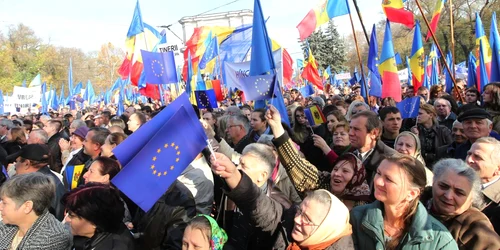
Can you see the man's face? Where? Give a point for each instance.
(98, 121)
(49, 128)
(233, 130)
(358, 135)
(88, 144)
(357, 92)
(410, 92)
(208, 117)
(442, 108)
(392, 123)
(252, 167)
(3, 130)
(133, 123)
(458, 133)
(476, 128)
(424, 93)
(293, 95)
(479, 157)
(471, 97)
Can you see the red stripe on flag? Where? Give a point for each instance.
(124, 69)
(135, 73)
(217, 90)
(307, 26)
(311, 74)
(434, 24)
(287, 67)
(401, 16)
(391, 86)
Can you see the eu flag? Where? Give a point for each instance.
(210, 53)
(125, 151)
(159, 68)
(409, 107)
(164, 157)
(259, 87)
(307, 90)
(206, 99)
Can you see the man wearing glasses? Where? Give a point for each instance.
(5, 126)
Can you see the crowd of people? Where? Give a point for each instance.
(364, 179)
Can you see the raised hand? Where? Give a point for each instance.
(273, 118)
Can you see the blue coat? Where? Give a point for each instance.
(425, 232)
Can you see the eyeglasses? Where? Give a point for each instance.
(304, 220)
(300, 116)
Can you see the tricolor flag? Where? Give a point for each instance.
(482, 43)
(321, 15)
(310, 72)
(417, 59)
(373, 63)
(396, 13)
(387, 68)
(435, 17)
(72, 175)
(495, 47)
(314, 115)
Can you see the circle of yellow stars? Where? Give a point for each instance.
(154, 168)
(203, 99)
(408, 107)
(257, 84)
(153, 68)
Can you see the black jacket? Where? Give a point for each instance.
(443, 137)
(162, 227)
(56, 208)
(122, 240)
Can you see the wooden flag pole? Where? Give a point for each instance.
(361, 20)
(359, 59)
(452, 34)
(443, 59)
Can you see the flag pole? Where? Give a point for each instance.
(443, 59)
(359, 59)
(452, 34)
(361, 20)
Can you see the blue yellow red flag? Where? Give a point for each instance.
(417, 59)
(373, 63)
(72, 174)
(482, 43)
(314, 115)
(388, 69)
(495, 50)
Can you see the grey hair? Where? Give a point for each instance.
(240, 120)
(233, 110)
(45, 117)
(35, 187)
(77, 123)
(41, 135)
(495, 157)
(321, 196)
(7, 122)
(460, 168)
(353, 105)
(456, 122)
(264, 154)
(447, 102)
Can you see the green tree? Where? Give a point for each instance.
(328, 48)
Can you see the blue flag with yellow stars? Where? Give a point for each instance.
(206, 99)
(259, 87)
(159, 68)
(158, 164)
(409, 107)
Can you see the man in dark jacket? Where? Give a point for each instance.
(459, 137)
(53, 130)
(443, 110)
(477, 123)
(364, 134)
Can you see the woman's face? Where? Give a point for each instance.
(300, 117)
(341, 137)
(331, 119)
(342, 109)
(406, 145)
(423, 116)
(392, 184)
(451, 194)
(79, 226)
(94, 174)
(307, 219)
(256, 123)
(107, 147)
(194, 239)
(75, 142)
(487, 95)
(341, 175)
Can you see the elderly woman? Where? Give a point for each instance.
(95, 213)
(355, 107)
(397, 220)
(203, 233)
(346, 180)
(27, 223)
(408, 143)
(431, 134)
(456, 192)
(320, 222)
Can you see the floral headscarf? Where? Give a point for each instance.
(219, 236)
(357, 189)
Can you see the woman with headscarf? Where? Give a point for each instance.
(408, 143)
(320, 222)
(346, 180)
(203, 233)
(454, 199)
